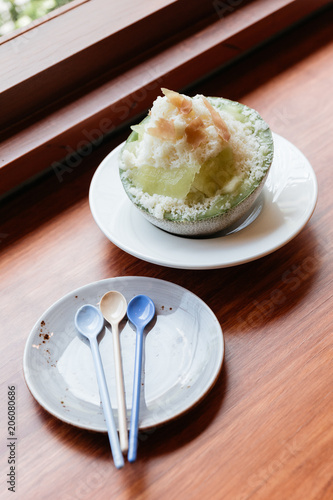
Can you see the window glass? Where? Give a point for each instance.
(16, 14)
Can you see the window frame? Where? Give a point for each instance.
(89, 84)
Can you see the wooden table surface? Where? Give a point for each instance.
(265, 429)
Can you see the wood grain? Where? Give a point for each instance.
(265, 430)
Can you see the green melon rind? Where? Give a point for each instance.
(214, 215)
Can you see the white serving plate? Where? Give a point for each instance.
(288, 201)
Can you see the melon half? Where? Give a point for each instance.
(194, 166)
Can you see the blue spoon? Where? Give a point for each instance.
(140, 312)
(89, 322)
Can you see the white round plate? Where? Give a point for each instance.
(183, 355)
(289, 198)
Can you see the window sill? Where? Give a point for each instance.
(110, 100)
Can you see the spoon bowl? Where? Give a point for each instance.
(140, 312)
(89, 322)
(113, 306)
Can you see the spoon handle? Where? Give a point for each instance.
(111, 426)
(133, 437)
(123, 434)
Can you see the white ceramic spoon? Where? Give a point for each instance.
(114, 306)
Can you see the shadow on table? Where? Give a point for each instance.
(248, 296)
(153, 442)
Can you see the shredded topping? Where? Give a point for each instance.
(195, 131)
(181, 102)
(219, 123)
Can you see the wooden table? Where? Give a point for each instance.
(265, 429)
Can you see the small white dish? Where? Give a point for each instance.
(288, 200)
(183, 355)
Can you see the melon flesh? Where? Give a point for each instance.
(174, 182)
(215, 173)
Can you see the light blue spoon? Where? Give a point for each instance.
(89, 322)
(140, 312)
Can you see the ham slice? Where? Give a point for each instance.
(219, 123)
(182, 103)
(164, 129)
(195, 132)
